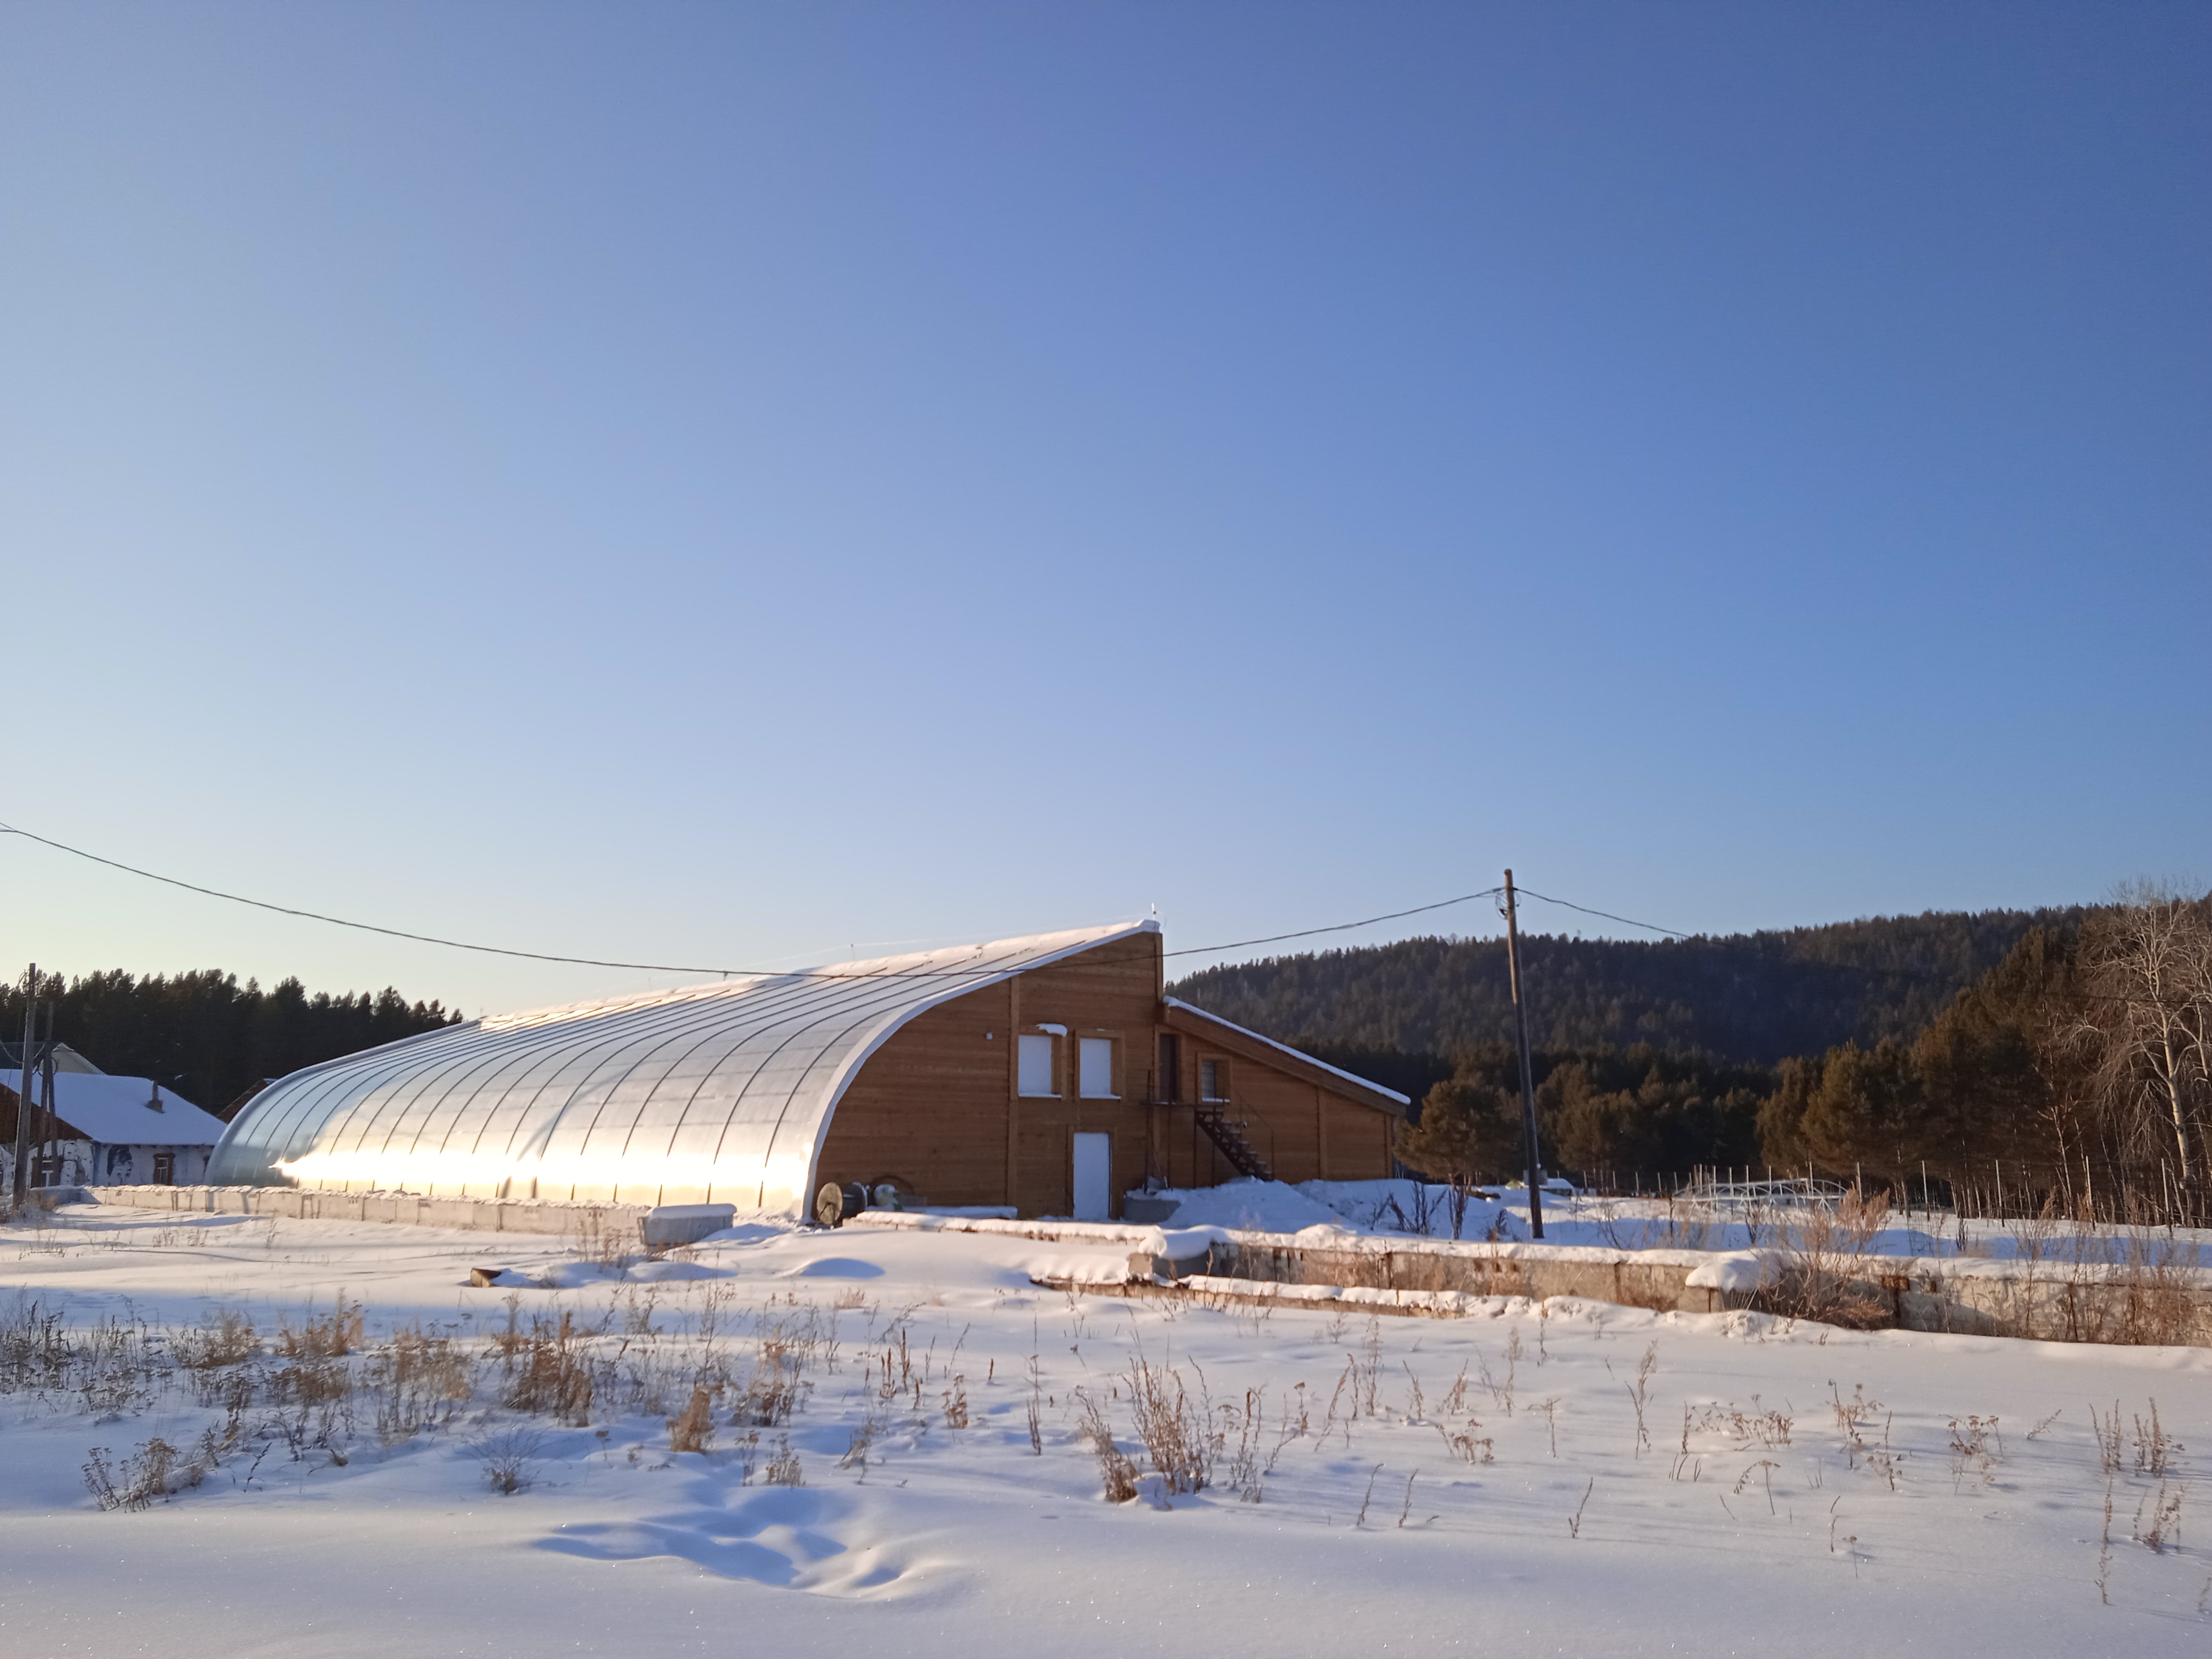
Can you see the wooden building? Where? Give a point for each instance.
(1068, 1084)
(1051, 1074)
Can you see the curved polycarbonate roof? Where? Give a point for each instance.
(718, 1093)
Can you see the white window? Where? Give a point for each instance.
(1095, 1068)
(1212, 1079)
(1034, 1076)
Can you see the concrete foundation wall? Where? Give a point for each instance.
(2046, 1301)
(1602, 1276)
(2050, 1302)
(406, 1209)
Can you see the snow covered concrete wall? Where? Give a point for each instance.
(1697, 1281)
(407, 1209)
(2056, 1301)
(1662, 1280)
(2141, 1303)
(2052, 1302)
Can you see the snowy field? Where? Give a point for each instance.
(1568, 1478)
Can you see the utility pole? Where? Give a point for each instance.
(20, 1189)
(49, 1122)
(1528, 1080)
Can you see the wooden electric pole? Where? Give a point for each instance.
(1527, 1078)
(20, 1188)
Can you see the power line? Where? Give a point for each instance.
(673, 968)
(1339, 927)
(1530, 892)
(941, 972)
(364, 927)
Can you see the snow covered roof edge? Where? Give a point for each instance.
(943, 963)
(1285, 1048)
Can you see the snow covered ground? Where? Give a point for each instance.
(1404, 1484)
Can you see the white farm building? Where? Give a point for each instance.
(106, 1131)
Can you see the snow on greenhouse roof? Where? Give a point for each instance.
(719, 1093)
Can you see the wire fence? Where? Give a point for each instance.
(2004, 1189)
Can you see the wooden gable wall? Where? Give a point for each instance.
(937, 1110)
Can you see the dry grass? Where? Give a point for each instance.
(2154, 1447)
(315, 1377)
(1115, 1472)
(1771, 1428)
(2158, 1307)
(1977, 1448)
(1816, 1253)
(1852, 1417)
(636, 1310)
(312, 1381)
(856, 1452)
(692, 1429)
(783, 1469)
(603, 1242)
(2163, 1524)
(1575, 1524)
(338, 1333)
(1246, 1477)
(771, 1392)
(2107, 1431)
(509, 1459)
(156, 1470)
(550, 1374)
(2104, 1549)
(1177, 1435)
(1639, 1392)
(36, 1347)
(418, 1382)
(1456, 1401)
(227, 1338)
(1467, 1445)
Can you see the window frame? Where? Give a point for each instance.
(1052, 1091)
(1222, 1080)
(1113, 1041)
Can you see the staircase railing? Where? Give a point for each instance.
(1227, 1133)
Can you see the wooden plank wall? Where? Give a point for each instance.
(935, 1110)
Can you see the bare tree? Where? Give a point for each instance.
(2145, 1025)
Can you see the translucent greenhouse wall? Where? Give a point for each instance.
(718, 1093)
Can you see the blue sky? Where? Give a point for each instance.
(721, 484)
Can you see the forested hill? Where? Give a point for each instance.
(1742, 998)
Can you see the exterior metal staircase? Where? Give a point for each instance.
(1228, 1135)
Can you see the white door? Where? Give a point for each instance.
(1094, 1177)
